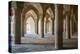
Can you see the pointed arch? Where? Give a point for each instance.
(33, 18)
(30, 26)
(48, 21)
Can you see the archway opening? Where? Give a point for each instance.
(30, 23)
(47, 26)
(30, 26)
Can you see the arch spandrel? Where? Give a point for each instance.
(37, 6)
(32, 14)
(28, 8)
(50, 12)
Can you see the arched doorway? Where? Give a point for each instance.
(48, 22)
(30, 26)
(30, 22)
(49, 26)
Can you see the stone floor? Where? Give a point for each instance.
(33, 42)
(31, 48)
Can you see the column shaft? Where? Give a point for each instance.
(67, 27)
(45, 27)
(25, 28)
(17, 26)
(22, 29)
(53, 26)
(42, 28)
(36, 27)
(68, 23)
(71, 26)
(58, 26)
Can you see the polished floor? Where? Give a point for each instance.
(33, 42)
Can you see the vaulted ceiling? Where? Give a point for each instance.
(40, 10)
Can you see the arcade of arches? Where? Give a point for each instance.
(45, 23)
